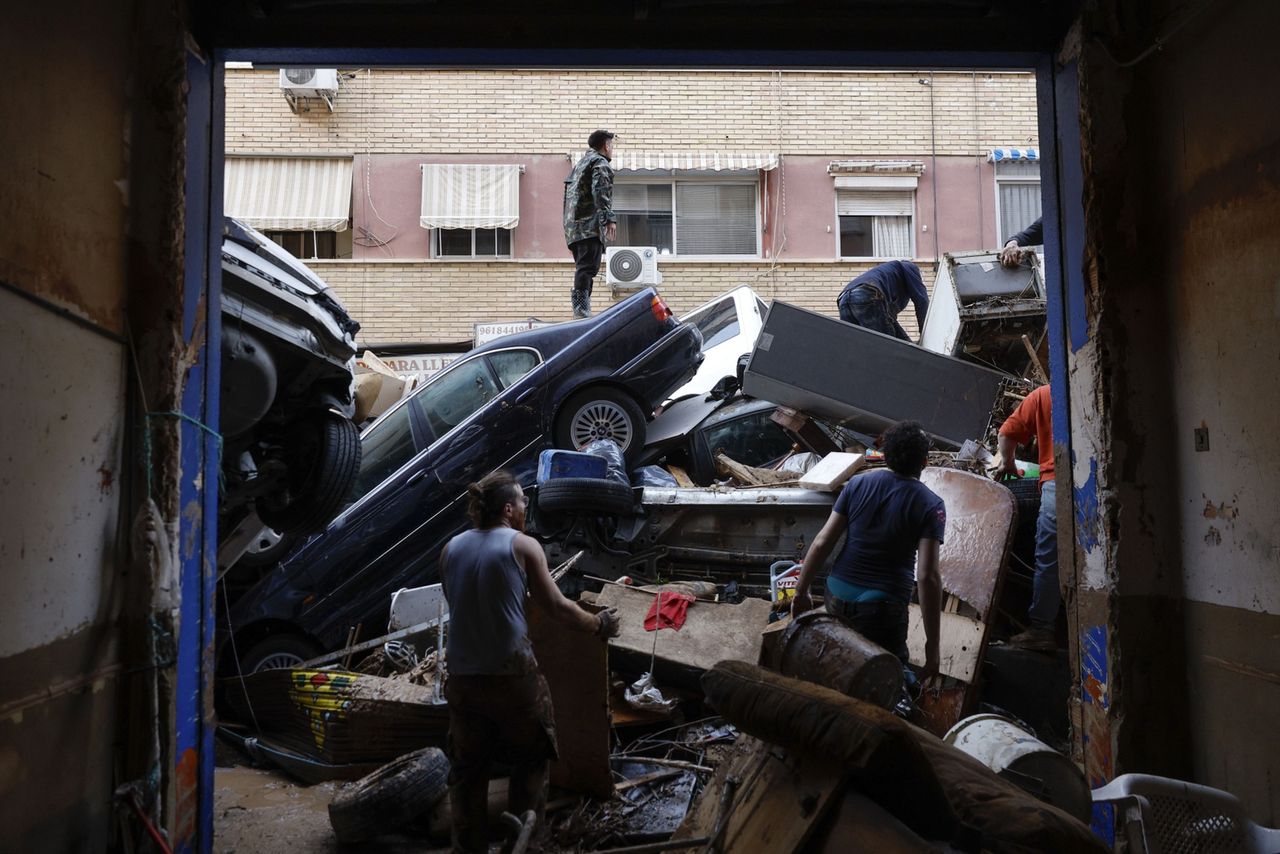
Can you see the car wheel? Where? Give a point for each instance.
(390, 797)
(267, 548)
(322, 459)
(278, 651)
(596, 496)
(601, 413)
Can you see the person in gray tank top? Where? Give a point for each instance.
(499, 705)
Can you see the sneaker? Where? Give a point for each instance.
(1035, 640)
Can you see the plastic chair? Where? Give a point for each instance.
(1157, 815)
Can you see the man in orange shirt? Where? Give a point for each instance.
(1034, 417)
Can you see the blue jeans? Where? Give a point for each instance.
(1045, 594)
(865, 306)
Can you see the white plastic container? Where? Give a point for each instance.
(1025, 761)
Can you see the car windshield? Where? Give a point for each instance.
(456, 394)
(384, 447)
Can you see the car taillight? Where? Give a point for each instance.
(660, 310)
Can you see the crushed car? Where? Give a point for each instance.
(290, 449)
(497, 407)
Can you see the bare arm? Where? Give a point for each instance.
(929, 584)
(815, 559)
(1008, 448)
(544, 591)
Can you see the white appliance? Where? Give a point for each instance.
(631, 266)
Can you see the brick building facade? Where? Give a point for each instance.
(850, 168)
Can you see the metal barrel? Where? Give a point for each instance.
(819, 648)
(1023, 760)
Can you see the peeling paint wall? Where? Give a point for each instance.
(1177, 546)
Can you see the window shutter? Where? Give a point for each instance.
(1019, 207)
(642, 198)
(874, 203)
(715, 219)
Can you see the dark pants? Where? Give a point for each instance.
(586, 264)
(865, 306)
(882, 623)
(506, 719)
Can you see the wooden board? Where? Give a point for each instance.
(959, 648)
(779, 801)
(576, 667)
(712, 632)
(832, 472)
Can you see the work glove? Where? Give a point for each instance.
(609, 624)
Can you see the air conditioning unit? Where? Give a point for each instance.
(298, 83)
(631, 266)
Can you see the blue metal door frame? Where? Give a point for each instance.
(1061, 182)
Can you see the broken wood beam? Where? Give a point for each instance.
(1035, 359)
(750, 475)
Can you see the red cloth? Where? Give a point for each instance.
(668, 611)
(1034, 417)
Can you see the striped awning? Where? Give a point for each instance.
(470, 195)
(289, 193)
(690, 161)
(998, 154)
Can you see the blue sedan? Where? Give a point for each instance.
(497, 407)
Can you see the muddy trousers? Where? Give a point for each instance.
(586, 264)
(505, 719)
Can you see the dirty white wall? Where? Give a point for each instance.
(62, 303)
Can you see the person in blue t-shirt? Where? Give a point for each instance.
(893, 525)
(876, 298)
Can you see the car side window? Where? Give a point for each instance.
(511, 365)
(384, 447)
(457, 394)
(752, 440)
(717, 323)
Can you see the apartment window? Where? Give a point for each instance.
(1017, 196)
(310, 244)
(689, 217)
(472, 243)
(876, 223)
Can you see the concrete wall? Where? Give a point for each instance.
(1177, 549)
(62, 260)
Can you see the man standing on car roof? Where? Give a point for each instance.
(1034, 417)
(589, 220)
(893, 526)
(876, 298)
(499, 705)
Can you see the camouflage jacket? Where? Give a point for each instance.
(588, 198)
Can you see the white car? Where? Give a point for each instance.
(729, 324)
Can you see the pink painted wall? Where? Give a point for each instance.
(395, 188)
(965, 189)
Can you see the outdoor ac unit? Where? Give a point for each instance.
(631, 266)
(309, 83)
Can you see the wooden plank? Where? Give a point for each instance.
(750, 475)
(712, 632)
(682, 477)
(576, 667)
(959, 648)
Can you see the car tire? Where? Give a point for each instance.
(278, 651)
(390, 797)
(601, 412)
(323, 461)
(593, 495)
(267, 548)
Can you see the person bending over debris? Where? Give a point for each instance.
(889, 517)
(589, 220)
(1034, 417)
(499, 705)
(876, 298)
(1032, 235)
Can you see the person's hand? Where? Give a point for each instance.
(1006, 469)
(609, 624)
(1011, 255)
(930, 678)
(801, 603)
(611, 231)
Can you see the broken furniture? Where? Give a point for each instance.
(814, 743)
(818, 647)
(868, 380)
(1157, 815)
(980, 310)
